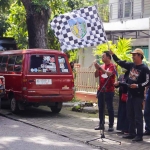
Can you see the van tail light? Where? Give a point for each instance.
(72, 83)
(24, 80)
(24, 84)
(73, 87)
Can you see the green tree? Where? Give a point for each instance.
(4, 6)
(3, 24)
(37, 17)
(17, 25)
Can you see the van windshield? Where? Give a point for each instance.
(42, 63)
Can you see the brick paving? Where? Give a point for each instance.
(77, 126)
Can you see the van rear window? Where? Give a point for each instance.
(63, 64)
(42, 63)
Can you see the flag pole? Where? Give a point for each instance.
(106, 40)
(104, 33)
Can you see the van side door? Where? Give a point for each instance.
(14, 73)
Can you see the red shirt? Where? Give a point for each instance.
(103, 78)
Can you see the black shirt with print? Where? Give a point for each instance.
(138, 74)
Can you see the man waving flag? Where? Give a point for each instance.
(79, 28)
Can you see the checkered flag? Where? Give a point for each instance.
(79, 28)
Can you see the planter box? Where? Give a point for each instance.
(86, 96)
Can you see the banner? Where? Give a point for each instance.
(79, 28)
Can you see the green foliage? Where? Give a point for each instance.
(103, 10)
(3, 24)
(73, 55)
(75, 99)
(53, 42)
(57, 7)
(17, 25)
(44, 4)
(74, 4)
(4, 5)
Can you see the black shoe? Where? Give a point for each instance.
(146, 133)
(137, 139)
(100, 127)
(120, 132)
(110, 129)
(128, 136)
(97, 128)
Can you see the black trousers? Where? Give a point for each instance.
(108, 98)
(135, 115)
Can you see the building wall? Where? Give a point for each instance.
(86, 57)
(113, 10)
(140, 42)
(137, 9)
(141, 8)
(146, 8)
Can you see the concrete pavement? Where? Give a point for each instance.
(78, 126)
(15, 135)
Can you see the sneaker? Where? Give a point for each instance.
(120, 132)
(125, 132)
(146, 133)
(129, 136)
(110, 129)
(137, 139)
(99, 127)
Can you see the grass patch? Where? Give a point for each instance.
(75, 99)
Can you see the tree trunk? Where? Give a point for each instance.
(37, 23)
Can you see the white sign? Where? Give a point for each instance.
(43, 81)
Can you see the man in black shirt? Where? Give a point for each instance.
(138, 78)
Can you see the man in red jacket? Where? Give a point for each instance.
(106, 74)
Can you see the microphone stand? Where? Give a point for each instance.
(102, 128)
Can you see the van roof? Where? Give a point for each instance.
(38, 51)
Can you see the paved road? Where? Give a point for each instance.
(16, 135)
(76, 126)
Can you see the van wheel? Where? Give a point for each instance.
(14, 105)
(56, 108)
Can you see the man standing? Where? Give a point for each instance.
(138, 78)
(106, 76)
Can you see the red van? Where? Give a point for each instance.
(36, 77)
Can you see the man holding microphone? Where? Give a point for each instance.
(106, 74)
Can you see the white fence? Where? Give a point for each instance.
(85, 80)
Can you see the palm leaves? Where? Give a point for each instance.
(122, 48)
